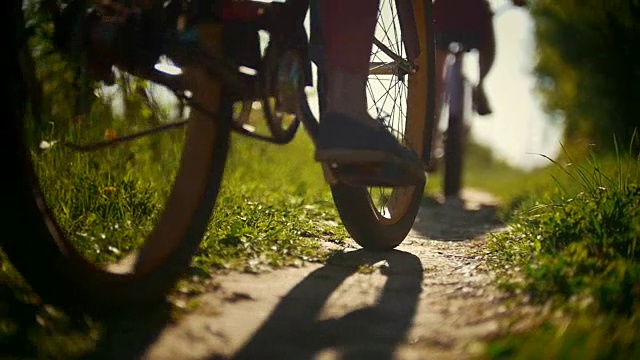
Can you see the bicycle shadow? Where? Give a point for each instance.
(41, 333)
(293, 329)
(457, 220)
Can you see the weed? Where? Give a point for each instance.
(578, 247)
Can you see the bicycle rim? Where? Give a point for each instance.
(118, 226)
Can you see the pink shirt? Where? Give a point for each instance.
(461, 16)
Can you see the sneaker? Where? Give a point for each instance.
(431, 164)
(480, 102)
(364, 153)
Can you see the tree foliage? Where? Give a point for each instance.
(588, 66)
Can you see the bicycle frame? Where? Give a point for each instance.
(287, 30)
(292, 11)
(457, 95)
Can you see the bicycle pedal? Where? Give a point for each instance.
(335, 174)
(373, 174)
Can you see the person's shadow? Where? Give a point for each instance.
(293, 331)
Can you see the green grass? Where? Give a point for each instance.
(273, 206)
(270, 204)
(576, 248)
(580, 337)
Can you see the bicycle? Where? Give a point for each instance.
(457, 99)
(48, 256)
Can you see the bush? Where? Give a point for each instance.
(586, 69)
(577, 249)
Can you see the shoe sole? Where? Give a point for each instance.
(348, 156)
(371, 168)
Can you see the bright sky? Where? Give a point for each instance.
(518, 127)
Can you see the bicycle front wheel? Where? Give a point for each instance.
(400, 90)
(115, 227)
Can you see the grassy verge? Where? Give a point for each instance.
(576, 249)
(483, 171)
(272, 209)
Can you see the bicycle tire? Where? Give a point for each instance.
(454, 142)
(453, 154)
(58, 272)
(381, 229)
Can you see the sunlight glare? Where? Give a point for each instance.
(168, 69)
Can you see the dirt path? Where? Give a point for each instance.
(431, 298)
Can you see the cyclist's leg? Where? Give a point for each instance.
(440, 59)
(471, 22)
(347, 34)
(486, 57)
(347, 134)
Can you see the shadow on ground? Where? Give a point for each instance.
(456, 220)
(32, 331)
(294, 331)
(128, 335)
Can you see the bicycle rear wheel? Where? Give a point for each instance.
(380, 218)
(89, 231)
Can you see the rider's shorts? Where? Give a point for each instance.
(468, 22)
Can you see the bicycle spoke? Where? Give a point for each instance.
(382, 22)
(392, 25)
(393, 40)
(398, 46)
(387, 91)
(385, 95)
(393, 110)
